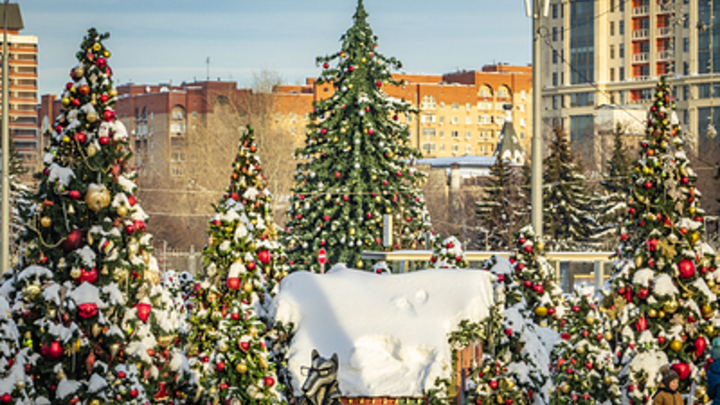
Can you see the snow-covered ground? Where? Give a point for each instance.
(390, 331)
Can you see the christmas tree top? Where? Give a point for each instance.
(449, 254)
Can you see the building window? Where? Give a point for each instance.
(555, 103)
(612, 74)
(686, 68)
(582, 51)
(622, 5)
(586, 99)
(485, 91)
(468, 134)
(428, 132)
(468, 120)
(152, 115)
(612, 51)
(612, 5)
(686, 21)
(500, 120)
(503, 92)
(194, 114)
(554, 11)
(555, 79)
(686, 117)
(428, 103)
(468, 106)
(612, 28)
(455, 148)
(428, 118)
(686, 44)
(581, 127)
(455, 134)
(708, 36)
(708, 90)
(484, 119)
(468, 149)
(442, 148)
(621, 50)
(555, 33)
(686, 93)
(442, 134)
(522, 135)
(442, 105)
(429, 147)
(621, 74)
(454, 120)
(522, 122)
(554, 57)
(455, 106)
(621, 27)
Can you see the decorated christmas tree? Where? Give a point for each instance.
(16, 386)
(449, 254)
(87, 264)
(18, 202)
(662, 297)
(583, 362)
(242, 262)
(534, 282)
(357, 163)
(568, 215)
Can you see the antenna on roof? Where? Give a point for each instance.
(208, 68)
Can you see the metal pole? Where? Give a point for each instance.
(5, 248)
(536, 191)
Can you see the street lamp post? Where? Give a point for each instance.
(5, 233)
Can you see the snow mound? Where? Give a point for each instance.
(390, 333)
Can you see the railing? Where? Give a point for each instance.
(663, 55)
(663, 32)
(640, 57)
(641, 10)
(640, 34)
(404, 261)
(642, 78)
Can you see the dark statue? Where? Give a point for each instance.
(321, 386)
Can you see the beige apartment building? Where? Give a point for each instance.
(611, 54)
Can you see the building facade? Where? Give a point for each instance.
(23, 65)
(613, 52)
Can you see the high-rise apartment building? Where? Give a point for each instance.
(612, 52)
(23, 78)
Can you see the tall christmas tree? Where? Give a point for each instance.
(242, 262)
(357, 163)
(449, 254)
(87, 265)
(566, 200)
(612, 205)
(583, 362)
(662, 298)
(502, 211)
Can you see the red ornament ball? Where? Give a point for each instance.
(104, 140)
(269, 381)
(686, 268)
(233, 283)
(337, 175)
(325, 66)
(528, 248)
(264, 256)
(648, 184)
(74, 194)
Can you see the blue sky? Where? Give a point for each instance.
(157, 41)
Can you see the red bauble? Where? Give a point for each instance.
(501, 278)
(520, 266)
(264, 256)
(325, 66)
(74, 194)
(648, 184)
(269, 381)
(682, 369)
(104, 140)
(685, 181)
(527, 284)
(641, 324)
(139, 225)
(90, 276)
(539, 289)
(235, 316)
(508, 332)
(644, 292)
(109, 115)
(54, 351)
(565, 336)
(129, 229)
(251, 266)
(134, 393)
(493, 384)
(528, 248)
(652, 244)
(73, 240)
(245, 346)
(121, 375)
(84, 89)
(131, 200)
(80, 137)
(326, 218)
(522, 240)
(351, 68)
(337, 175)
(385, 183)
(6, 398)
(589, 365)
(143, 310)
(585, 333)
(220, 366)
(686, 268)
(370, 131)
(233, 283)
(87, 310)
(700, 346)
(104, 98)
(379, 84)
(399, 174)
(551, 311)
(661, 340)
(576, 309)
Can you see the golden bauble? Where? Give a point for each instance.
(565, 388)
(540, 246)
(694, 237)
(706, 310)
(91, 117)
(212, 391)
(241, 368)
(66, 139)
(670, 306)
(373, 177)
(351, 231)
(65, 101)
(79, 72)
(676, 345)
(248, 287)
(91, 150)
(541, 311)
(661, 314)
(263, 362)
(113, 91)
(607, 380)
(95, 402)
(96, 329)
(360, 264)
(499, 399)
(580, 349)
(31, 292)
(132, 248)
(60, 375)
(45, 222)
(97, 198)
(253, 221)
(652, 313)
(20, 385)
(711, 283)
(692, 210)
(509, 384)
(710, 330)
(120, 275)
(700, 391)
(590, 319)
(638, 261)
(388, 210)
(378, 199)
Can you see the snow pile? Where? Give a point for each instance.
(390, 333)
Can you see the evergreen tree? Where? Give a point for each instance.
(583, 362)
(662, 297)
(449, 254)
(612, 206)
(502, 210)
(16, 386)
(358, 162)
(568, 222)
(87, 266)
(242, 264)
(18, 201)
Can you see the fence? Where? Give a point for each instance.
(179, 260)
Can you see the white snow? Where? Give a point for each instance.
(664, 285)
(66, 388)
(127, 184)
(61, 174)
(390, 333)
(87, 293)
(87, 255)
(96, 383)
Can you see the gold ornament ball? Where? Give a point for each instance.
(360, 264)
(96, 47)
(661, 314)
(91, 117)
(94, 402)
(122, 211)
(670, 306)
(20, 385)
(607, 380)
(45, 222)
(66, 139)
(112, 92)
(706, 310)
(388, 210)
(91, 150)
(106, 54)
(540, 246)
(65, 101)
(75, 272)
(499, 399)
(694, 237)
(373, 177)
(241, 368)
(710, 330)
(60, 375)
(580, 349)
(652, 313)
(692, 210)
(710, 283)
(212, 391)
(590, 319)
(248, 287)
(378, 199)
(509, 384)
(676, 345)
(565, 388)
(638, 261)
(541, 311)
(79, 72)
(700, 391)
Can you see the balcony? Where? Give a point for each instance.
(640, 57)
(640, 34)
(663, 32)
(640, 11)
(642, 78)
(663, 56)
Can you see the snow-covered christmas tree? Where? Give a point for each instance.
(534, 281)
(87, 258)
(449, 254)
(18, 203)
(583, 362)
(568, 214)
(357, 162)
(662, 297)
(229, 342)
(16, 386)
